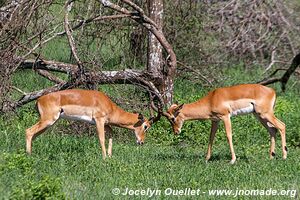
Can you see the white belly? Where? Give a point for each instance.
(243, 111)
(83, 118)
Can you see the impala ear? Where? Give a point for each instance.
(177, 109)
(151, 120)
(141, 117)
(141, 120)
(139, 123)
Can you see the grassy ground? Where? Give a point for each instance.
(68, 166)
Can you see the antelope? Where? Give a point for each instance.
(223, 103)
(90, 106)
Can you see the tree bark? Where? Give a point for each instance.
(156, 61)
(155, 57)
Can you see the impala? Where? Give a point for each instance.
(223, 103)
(89, 106)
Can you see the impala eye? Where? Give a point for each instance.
(173, 119)
(145, 127)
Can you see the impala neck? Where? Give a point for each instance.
(196, 110)
(123, 119)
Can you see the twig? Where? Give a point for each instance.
(19, 90)
(196, 72)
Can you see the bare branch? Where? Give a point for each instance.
(19, 90)
(68, 7)
(284, 79)
(196, 72)
(50, 76)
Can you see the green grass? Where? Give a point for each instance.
(72, 167)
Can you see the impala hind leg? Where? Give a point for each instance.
(214, 128)
(273, 121)
(227, 123)
(35, 130)
(272, 131)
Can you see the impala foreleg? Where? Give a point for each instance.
(214, 128)
(228, 130)
(101, 135)
(109, 131)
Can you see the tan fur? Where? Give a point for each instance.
(222, 103)
(86, 105)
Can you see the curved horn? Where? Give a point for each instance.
(178, 107)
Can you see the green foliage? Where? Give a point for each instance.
(17, 161)
(284, 105)
(20, 166)
(46, 188)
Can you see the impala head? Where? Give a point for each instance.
(141, 127)
(175, 117)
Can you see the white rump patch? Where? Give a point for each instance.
(78, 118)
(243, 111)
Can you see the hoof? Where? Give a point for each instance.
(232, 162)
(284, 157)
(272, 155)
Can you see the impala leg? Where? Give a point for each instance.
(272, 131)
(228, 130)
(109, 151)
(35, 130)
(109, 131)
(281, 127)
(214, 128)
(101, 135)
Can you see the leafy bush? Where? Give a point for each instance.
(46, 188)
(16, 161)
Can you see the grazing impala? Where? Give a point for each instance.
(222, 103)
(89, 106)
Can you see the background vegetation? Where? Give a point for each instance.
(66, 161)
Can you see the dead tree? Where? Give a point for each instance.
(78, 73)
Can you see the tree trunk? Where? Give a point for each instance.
(156, 61)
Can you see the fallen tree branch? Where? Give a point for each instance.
(50, 76)
(127, 76)
(28, 97)
(48, 65)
